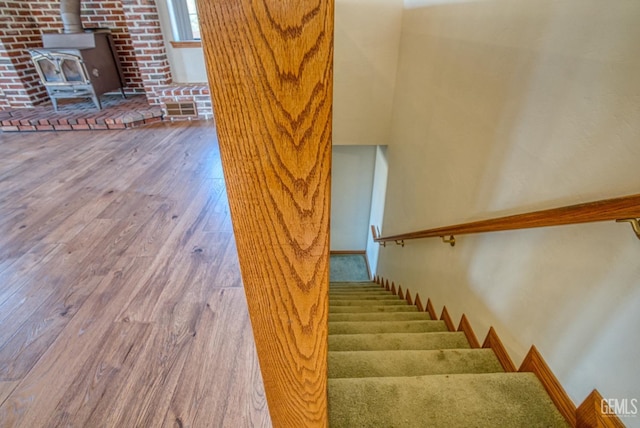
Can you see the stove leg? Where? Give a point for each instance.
(123, 94)
(95, 97)
(96, 101)
(54, 102)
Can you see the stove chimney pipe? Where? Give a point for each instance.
(70, 14)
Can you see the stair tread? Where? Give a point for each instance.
(365, 302)
(395, 341)
(379, 316)
(459, 400)
(354, 285)
(361, 296)
(356, 364)
(343, 283)
(355, 327)
(371, 308)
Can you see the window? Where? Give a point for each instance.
(184, 20)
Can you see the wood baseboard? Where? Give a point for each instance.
(407, 297)
(534, 363)
(447, 319)
(418, 304)
(493, 341)
(591, 413)
(431, 310)
(465, 327)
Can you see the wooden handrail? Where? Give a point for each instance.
(625, 208)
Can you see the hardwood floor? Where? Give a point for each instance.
(121, 303)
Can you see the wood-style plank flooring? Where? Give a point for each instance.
(121, 303)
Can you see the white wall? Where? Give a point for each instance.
(367, 34)
(351, 186)
(378, 195)
(510, 106)
(367, 39)
(187, 64)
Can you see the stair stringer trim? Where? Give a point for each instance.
(465, 327)
(587, 415)
(493, 341)
(431, 310)
(447, 319)
(534, 363)
(418, 304)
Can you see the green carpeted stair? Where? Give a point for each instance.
(392, 366)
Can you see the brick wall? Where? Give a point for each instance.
(148, 45)
(135, 27)
(18, 32)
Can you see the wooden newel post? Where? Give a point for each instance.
(270, 65)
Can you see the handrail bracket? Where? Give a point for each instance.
(635, 224)
(451, 241)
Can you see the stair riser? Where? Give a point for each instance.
(380, 316)
(375, 302)
(398, 341)
(411, 363)
(364, 297)
(369, 327)
(354, 285)
(372, 309)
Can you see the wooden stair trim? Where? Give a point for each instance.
(590, 414)
(492, 341)
(400, 293)
(432, 312)
(393, 289)
(386, 287)
(447, 319)
(407, 297)
(418, 303)
(465, 327)
(534, 363)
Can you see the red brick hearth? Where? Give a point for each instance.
(79, 115)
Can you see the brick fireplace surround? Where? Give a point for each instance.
(135, 26)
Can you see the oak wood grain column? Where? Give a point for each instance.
(270, 68)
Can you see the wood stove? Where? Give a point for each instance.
(81, 66)
(79, 63)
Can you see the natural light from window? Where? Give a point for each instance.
(193, 19)
(184, 20)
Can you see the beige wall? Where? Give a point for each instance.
(367, 36)
(352, 172)
(509, 106)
